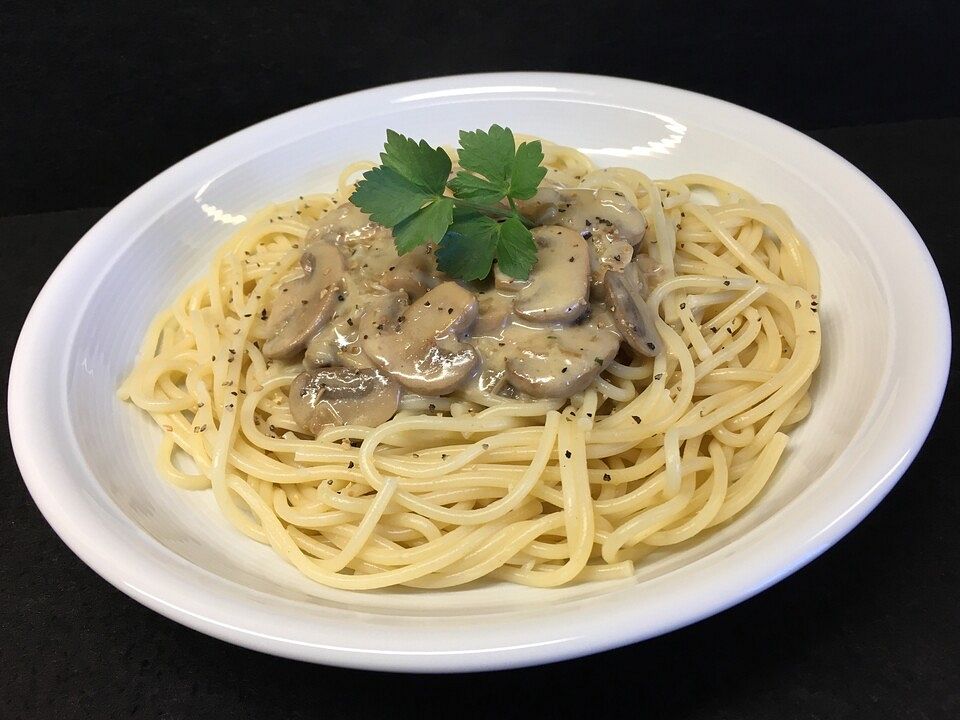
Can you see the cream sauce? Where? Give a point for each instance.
(547, 336)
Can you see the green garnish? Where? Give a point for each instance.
(474, 227)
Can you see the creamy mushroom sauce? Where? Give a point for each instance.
(370, 325)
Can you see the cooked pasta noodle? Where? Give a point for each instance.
(654, 452)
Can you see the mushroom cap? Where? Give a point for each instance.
(342, 396)
(560, 367)
(303, 306)
(419, 345)
(626, 296)
(559, 286)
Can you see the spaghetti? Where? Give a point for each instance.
(543, 492)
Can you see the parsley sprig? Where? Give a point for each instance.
(480, 222)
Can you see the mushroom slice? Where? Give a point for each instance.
(345, 224)
(342, 396)
(413, 281)
(604, 213)
(560, 369)
(504, 282)
(626, 291)
(559, 285)
(304, 305)
(420, 345)
(495, 310)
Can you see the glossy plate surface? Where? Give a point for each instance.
(88, 459)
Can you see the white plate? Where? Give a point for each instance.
(88, 459)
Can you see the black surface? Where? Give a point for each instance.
(869, 630)
(99, 96)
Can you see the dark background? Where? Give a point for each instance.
(99, 97)
(96, 98)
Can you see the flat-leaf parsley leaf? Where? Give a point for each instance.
(479, 223)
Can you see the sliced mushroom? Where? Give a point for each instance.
(304, 305)
(567, 365)
(413, 281)
(504, 282)
(626, 296)
(495, 311)
(559, 285)
(342, 396)
(605, 213)
(346, 224)
(420, 345)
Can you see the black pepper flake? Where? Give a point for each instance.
(501, 344)
(730, 330)
(485, 446)
(651, 346)
(570, 259)
(567, 454)
(589, 414)
(564, 370)
(607, 477)
(797, 304)
(431, 407)
(231, 351)
(683, 305)
(340, 297)
(450, 311)
(426, 304)
(248, 315)
(443, 456)
(586, 235)
(658, 376)
(812, 332)
(350, 322)
(636, 418)
(726, 282)
(350, 465)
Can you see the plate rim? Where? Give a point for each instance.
(24, 422)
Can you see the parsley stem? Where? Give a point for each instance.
(497, 211)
